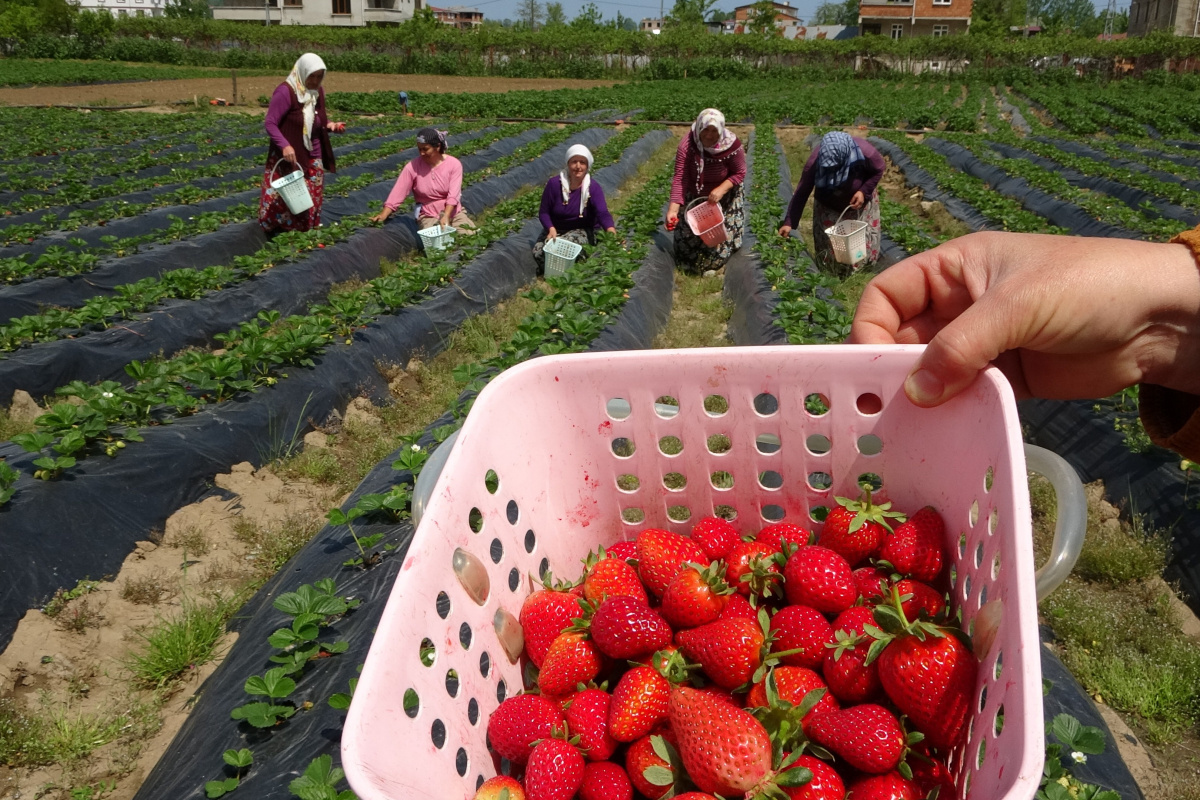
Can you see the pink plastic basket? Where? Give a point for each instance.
(537, 479)
(707, 221)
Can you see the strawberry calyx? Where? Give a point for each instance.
(673, 774)
(713, 576)
(550, 583)
(866, 511)
(765, 577)
(893, 624)
(846, 640)
(782, 719)
(767, 658)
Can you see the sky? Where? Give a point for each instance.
(500, 9)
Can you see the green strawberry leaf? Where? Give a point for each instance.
(798, 776)
(659, 776)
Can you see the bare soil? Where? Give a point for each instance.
(895, 187)
(249, 89)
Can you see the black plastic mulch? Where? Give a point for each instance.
(930, 190)
(1080, 149)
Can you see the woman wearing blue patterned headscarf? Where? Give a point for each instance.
(841, 174)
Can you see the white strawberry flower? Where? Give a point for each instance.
(1078, 757)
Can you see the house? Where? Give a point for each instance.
(1181, 17)
(902, 18)
(653, 26)
(338, 13)
(458, 16)
(785, 16)
(125, 8)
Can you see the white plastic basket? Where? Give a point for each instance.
(522, 492)
(560, 255)
(439, 237)
(848, 239)
(292, 188)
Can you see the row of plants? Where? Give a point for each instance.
(904, 227)
(41, 72)
(1089, 109)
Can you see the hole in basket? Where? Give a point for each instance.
(983, 593)
(966, 587)
(962, 545)
(666, 407)
(485, 664)
(721, 480)
(473, 711)
(475, 520)
(679, 513)
(622, 447)
(982, 754)
(973, 515)
(715, 405)
(543, 567)
(628, 483)
(464, 636)
(460, 762)
(870, 445)
(998, 725)
(514, 579)
(993, 521)
(491, 481)
(869, 403)
(818, 444)
(982, 698)
(530, 540)
(770, 479)
(725, 512)
(719, 443)
(633, 515)
(818, 513)
(978, 555)
(412, 703)
(501, 691)
(674, 481)
(996, 567)
(427, 653)
(443, 605)
(452, 683)
(472, 576)
(953, 576)
(772, 513)
(618, 408)
(988, 478)
(512, 512)
(437, 732)
(766, 404)
(670, 445)
(996, 670)
(870, 479)
(496, 551)
(821, 481)
(967, 784)
(816, 404)
(767, 443)
(478, 782)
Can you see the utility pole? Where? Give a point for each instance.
(1108, 19)
(267, 10)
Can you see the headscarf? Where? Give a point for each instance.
(434, 137)
(710, 118)
(585, 188)
(305, 66)
(837, 153)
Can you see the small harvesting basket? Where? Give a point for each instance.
(848, 239)
(560, 255)
(292, 188)
(563, 454)
(707, 221)
(439, 237)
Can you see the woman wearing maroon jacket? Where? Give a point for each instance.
(299, 130)
(710, 163)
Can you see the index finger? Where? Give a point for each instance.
(911, 301)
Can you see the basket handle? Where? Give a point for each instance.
(1071, 524)
(277, 163)
(839, 219)
(428, 477)
(689, 206)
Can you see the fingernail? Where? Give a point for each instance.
(924, 388)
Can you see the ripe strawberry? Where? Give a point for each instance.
(695, 796)
(856, 528)
(778, 534)
(554, 771)
(725, 750)
(738, 607)
(804, 629)
(587, 717)
(623, 627)
(872, 583)
(716, 536)
(611, 577)
(662, 554)
(930, 772)
(914, 549)
(624, 550)
(826, 784)
(729, 650)
(605, 781)
(571, 660)
(920, 598)
(642, 756)
(868, 737)
(792, 686)
(696, 596)
(639, 704)
(892, 786)
(931, 680)
(753, 568)
(818, 577)
(519, 722)
(544, 615)
(850, 677)
(494, 788)
(660, 660)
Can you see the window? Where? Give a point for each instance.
(341, 6)
(941, 30)
(872, 28)
(897, 30)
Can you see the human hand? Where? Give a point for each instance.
(1062, 317)
(381, 216)
(716, 194)
(857, 201)
(672, 220)
(336, 127)
(289, 154)
(784, 230)
(551, 234)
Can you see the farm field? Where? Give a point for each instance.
(209, 399)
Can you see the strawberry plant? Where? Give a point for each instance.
(8, 477)
(240, 761)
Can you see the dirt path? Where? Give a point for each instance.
(249, 89)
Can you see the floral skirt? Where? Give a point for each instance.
(273, 214)
(693, 255)
(827, 216)
(579, 236)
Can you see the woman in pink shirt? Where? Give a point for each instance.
(435, 180)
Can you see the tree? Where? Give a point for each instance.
(689, 12)
(996, 17)
(761, 19)
(718, 15)
(187, 9)
(589, 17)
(531, 12)
(555, 15)
(834, 13)
(1059, 15)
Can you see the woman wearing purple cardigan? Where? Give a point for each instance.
(573, 205)
(299, 132)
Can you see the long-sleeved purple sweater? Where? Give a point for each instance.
(864, 177)
(281, 101)
(563, 218)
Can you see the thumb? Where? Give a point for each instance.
(956, 355)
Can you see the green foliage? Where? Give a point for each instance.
(175, 646)
(834, 13)
(319, 782)
(1075, 743)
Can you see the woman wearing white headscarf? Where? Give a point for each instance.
(573, 205)
(299, 131)
(710, 163)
